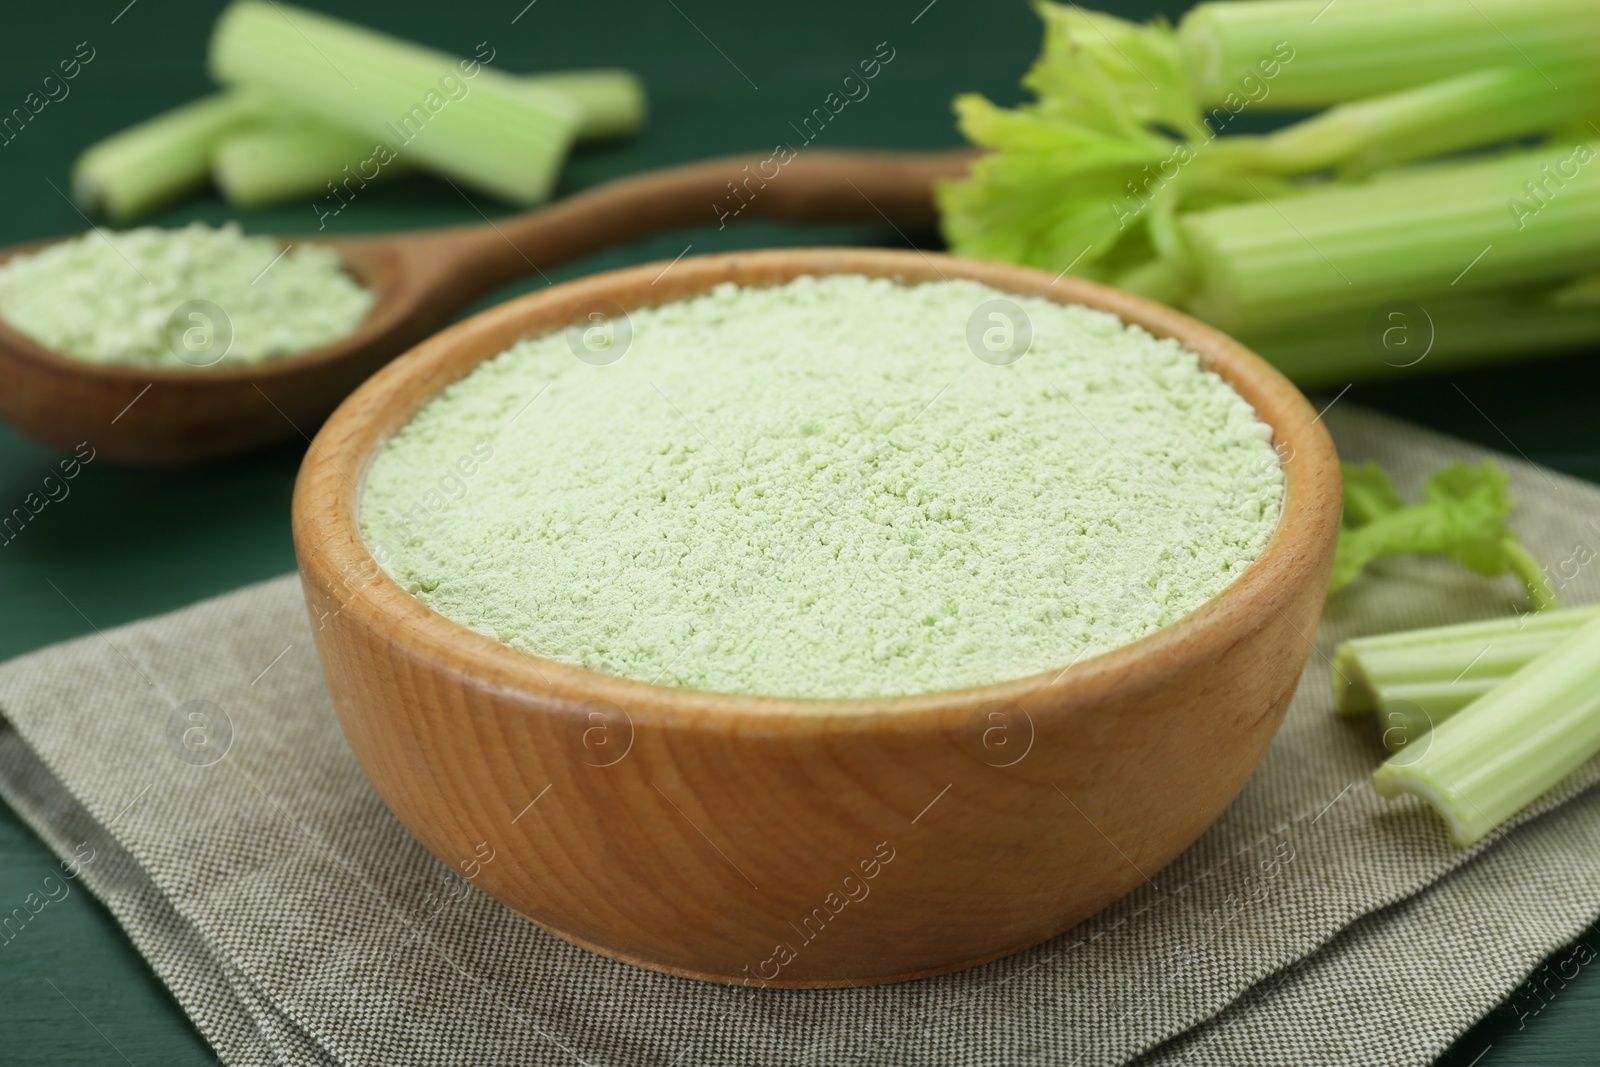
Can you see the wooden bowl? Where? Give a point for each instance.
(788, 842)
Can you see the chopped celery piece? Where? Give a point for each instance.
(457, 116)
(1458, 228)
(611, 102)
(1354, 48)
(1462, 515)
(260, 155)
(160, 159)
(1440, 670)
(284, 159)
(1498, 754)
(272, 163)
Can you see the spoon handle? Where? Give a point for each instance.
(813, 186)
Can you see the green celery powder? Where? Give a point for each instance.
(816, 490)
(130, 297)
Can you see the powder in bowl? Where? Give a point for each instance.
(816, 490)
(194, 296)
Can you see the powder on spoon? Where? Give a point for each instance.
(816, 490)
(152, 296)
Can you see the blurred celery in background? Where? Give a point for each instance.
(1454, 165)
(314, 105)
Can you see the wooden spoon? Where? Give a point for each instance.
(164, 416)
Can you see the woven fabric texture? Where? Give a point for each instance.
(298, 923)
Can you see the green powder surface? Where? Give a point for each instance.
(194, 296)
(816, 490)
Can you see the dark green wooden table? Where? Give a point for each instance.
(723, 76)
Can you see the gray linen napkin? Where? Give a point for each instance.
(298, 923)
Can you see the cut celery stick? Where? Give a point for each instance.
(160, 159)
(285, 159)
(1498, 754)
(1447, 228)
(611, 102)
(459, 117)
(268, 165)
(1441, 669)
(1355, 48)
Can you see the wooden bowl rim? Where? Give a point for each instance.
(328, 541)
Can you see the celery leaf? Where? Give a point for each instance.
(1368, 493)
(1462, 515)
(1080, 177)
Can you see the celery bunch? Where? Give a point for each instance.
(1128, 168)
(313, 101)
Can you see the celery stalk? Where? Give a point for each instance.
(1463, 227)
(611, 102)
(1482, 107)
(273, 163)
(1440, 670)
(1501, 752)
(1124, 169)
(1355, 48)
(147, 165)
(1450, 332)
(1580, 293)
(281, 160)
(259, 155)
(458, 117)
(1085, 176)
